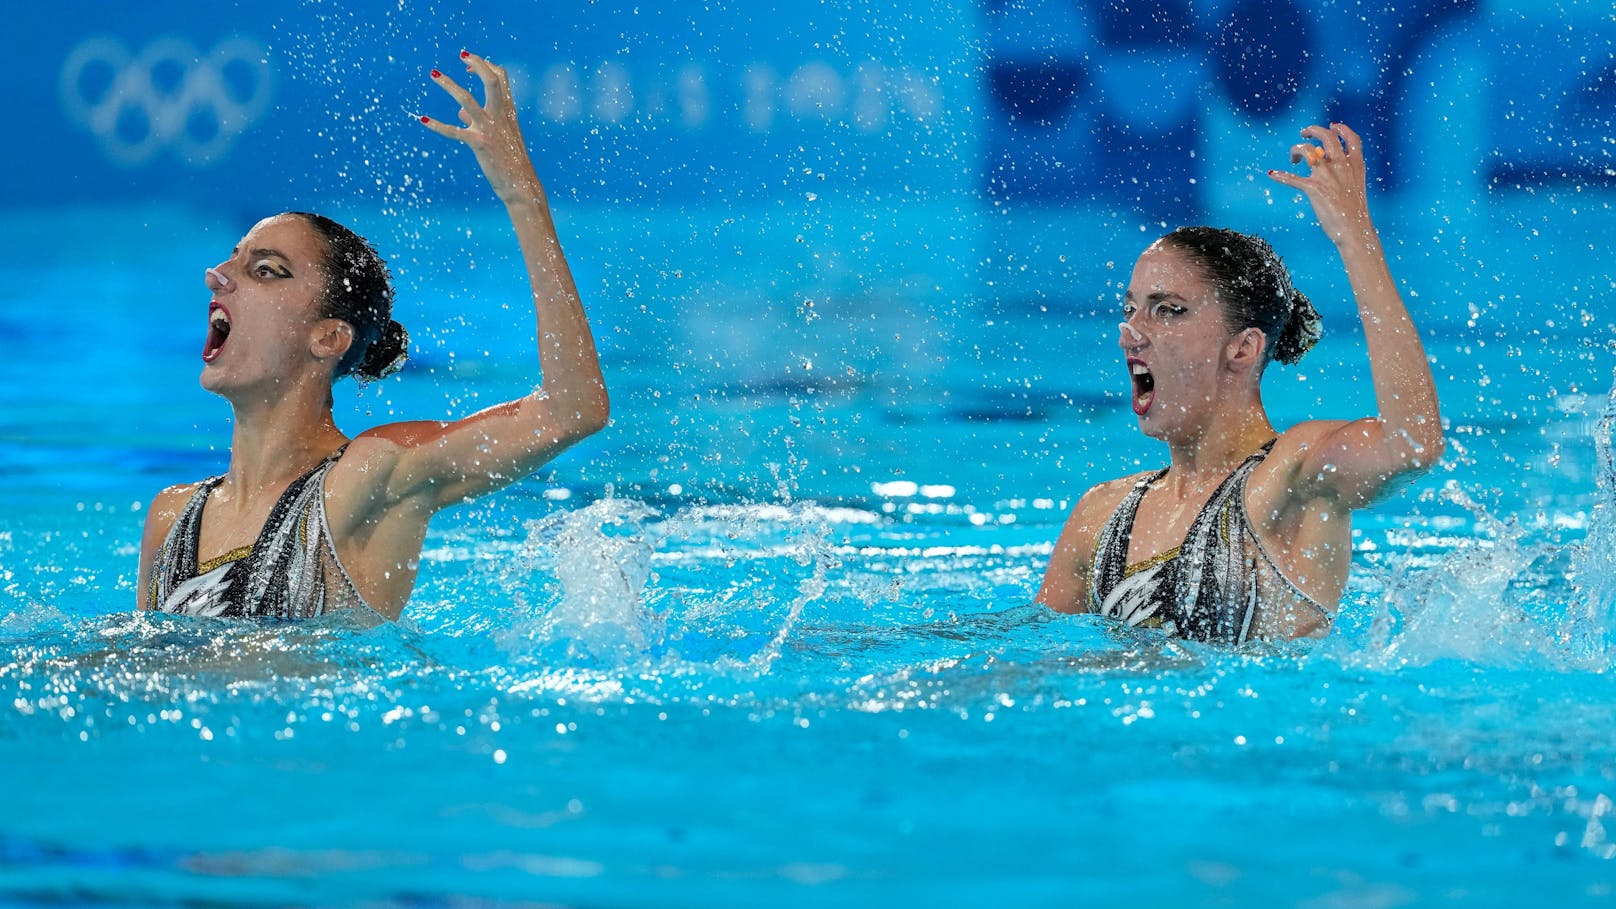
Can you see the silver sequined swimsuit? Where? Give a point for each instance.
(290, 572)
(1219, 585)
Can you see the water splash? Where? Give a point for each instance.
(1595, 838)
(1472, 604)
(1594, 576)
(601, 556)
(809, 547)
(709, 588)
(30, 619)
(1506, 596)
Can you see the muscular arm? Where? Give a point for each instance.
(444, 463)
(1354, 461)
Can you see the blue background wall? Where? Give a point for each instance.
(626, 103)
(1139, 106)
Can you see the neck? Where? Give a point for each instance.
(1227, 438)
(277, 438)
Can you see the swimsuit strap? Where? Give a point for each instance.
(1211, 542)
(1110, 561)
(262, 587)
(176, 560)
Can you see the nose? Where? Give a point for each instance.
(216, 280)
(1129, 338)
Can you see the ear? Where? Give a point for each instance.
(1244, 351)
(330, 339)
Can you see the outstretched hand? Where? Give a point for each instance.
(490, 129)
(1336, 182)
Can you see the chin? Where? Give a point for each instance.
(211, 379)
(1151, 429)
(1155, 424)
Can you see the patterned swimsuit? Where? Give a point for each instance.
(290, 572)
(1220, 585)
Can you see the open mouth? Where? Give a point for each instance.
(1144, 386)
(218, 331)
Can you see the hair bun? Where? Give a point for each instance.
(386, 354)
(1302, 330)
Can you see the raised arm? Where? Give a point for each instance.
(453, 461)
(1354, 461)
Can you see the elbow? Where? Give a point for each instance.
(596, 417)
(566, 417)
(1430, 445)
(594, 412)
(1425, 449)
(1434, 449)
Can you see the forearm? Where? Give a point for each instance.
(1405, 392)
(572, 381)
(568, 362)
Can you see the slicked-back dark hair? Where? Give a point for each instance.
(1254, 287)
(359, 291)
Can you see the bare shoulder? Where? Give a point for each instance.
(179, 494)
(1103, 498)
(373, 454)
(161, 514)
(370, 455)
(370, 481)
(1065, 586)
(165, 508)
(1303, 437)
(1094, 509)
(1290, 480)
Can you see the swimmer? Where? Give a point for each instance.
(1246, 534)
(306, 520)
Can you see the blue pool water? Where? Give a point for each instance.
(767, 638)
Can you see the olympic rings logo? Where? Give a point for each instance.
(167, 96)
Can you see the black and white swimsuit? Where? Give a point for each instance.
(290, 572)
(1219, 585)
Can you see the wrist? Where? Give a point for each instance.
(1359, 241)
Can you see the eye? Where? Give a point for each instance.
(1128, 309)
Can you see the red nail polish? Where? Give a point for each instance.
(425, 119)
(465, 54)
(1271, 171)
(436, 74)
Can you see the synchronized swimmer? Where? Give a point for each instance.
(306, 520)
(1246, 533)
